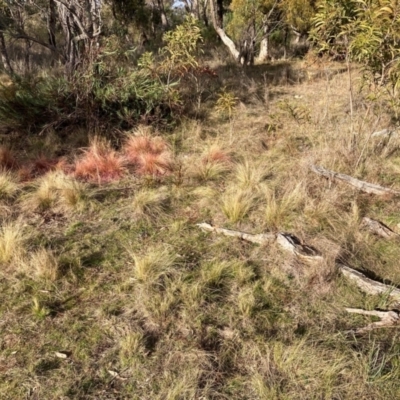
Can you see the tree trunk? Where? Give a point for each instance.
(220, 13)
(164, 20)
(81, 24)
(4, 55)
(226, 40)
(263, 55)
(51, 27)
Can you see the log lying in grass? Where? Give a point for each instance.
(378, 228)
(387, 318)
(368, 285)
(385, 133)
(360, 185)
(285, 240)
(292, 244)
(262, 238)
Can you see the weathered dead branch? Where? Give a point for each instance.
(387, 318)
(385, 133)
(378, 228)
(363, 186)
(285, 240)
(262, 238)
(368, 285)
(292, 244)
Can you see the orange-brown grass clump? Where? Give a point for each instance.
(100, 163)
(7, 159)
(148, 155)
(215, 155)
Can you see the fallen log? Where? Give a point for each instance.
(363, 186)
(261, 238)
(385, 133)
(292, 244)
(285, 240)
(368, 285)
(387, 318)
(378, 228)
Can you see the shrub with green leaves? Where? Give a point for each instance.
(104, 95)
(366, 31)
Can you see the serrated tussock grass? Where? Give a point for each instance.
(13, 238)
(150, 202)
(149, 267)
(42, 264)
(56, 190)
(8, 185)
(236, 203)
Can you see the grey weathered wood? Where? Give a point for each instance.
(261, 238)
(292, 244)
(387, 318)
(363, 186)
(378, 228)
(287, 241)
(368, 285)
(385, 133)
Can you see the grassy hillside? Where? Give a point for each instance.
(109, 290)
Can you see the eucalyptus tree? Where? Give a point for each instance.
(249, 24)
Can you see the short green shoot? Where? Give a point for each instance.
(39, 310)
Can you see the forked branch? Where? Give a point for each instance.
(387, 318)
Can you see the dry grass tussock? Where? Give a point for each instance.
(154, 308)
(149, 267)
(56, 191)
(8, 184)
(41, 264)
(13, 238)
(214, 163)
(237, 203)
(150, 202)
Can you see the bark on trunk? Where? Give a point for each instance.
(4, 55)
(226, 40)
(164, 20)
(52, 21)
(263, 55)
(220, 13)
